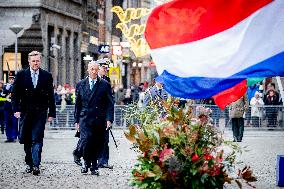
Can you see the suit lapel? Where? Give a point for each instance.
(28, 78)
(87, 90)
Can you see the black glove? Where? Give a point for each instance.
(77, 134)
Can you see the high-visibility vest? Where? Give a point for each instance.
(2, 99)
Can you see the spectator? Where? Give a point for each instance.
(272, 99)
(256, 109)
(128, 97)
(58, 95)
(236, 113)
(119, 96)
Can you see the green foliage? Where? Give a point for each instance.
(178, 150)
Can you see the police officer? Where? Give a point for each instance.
(2, 103)
(104, 155)
(9, 118)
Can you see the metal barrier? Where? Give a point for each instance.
(258, 117)
(65, 117)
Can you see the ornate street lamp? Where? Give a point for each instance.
(16, 29)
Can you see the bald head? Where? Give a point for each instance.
(93, 69)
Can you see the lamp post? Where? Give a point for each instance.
(16, 29)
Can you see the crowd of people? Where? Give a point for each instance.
(262, 105)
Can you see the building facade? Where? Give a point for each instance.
(66, 31)
(93, 30)
(52, 27)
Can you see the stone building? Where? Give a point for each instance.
(93, 29)
(52, 27)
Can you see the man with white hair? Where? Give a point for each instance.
(94, 114)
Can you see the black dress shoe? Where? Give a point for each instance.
(77, 160)
(95, 172)
(36, 170)
(85, 167)
(9, 140)
(29, 169)
(106, 166)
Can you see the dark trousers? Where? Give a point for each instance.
(238, 128)
(33, 153)
(89, 154)
(104, 155)
(92, 141)
(78, 151)
(11, 124)
(31, 135)
(2, 125)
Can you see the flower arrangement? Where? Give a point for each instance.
(179, 153)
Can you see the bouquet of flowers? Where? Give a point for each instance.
(177, 152)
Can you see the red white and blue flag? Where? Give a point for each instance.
(208, 48)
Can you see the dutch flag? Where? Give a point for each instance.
(208, 48)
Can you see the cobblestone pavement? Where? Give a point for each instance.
(59, 171)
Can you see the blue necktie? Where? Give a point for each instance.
(34, 79)
(92, 85)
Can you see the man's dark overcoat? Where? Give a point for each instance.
(33, 104)
(92, 110)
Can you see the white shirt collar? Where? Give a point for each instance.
(90, 80)
(32, 71)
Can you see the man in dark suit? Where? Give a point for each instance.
(104, 155)
(32, 97)
(94, 109)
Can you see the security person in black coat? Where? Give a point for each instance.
(104, 154)
(94, 112)
(33, 96)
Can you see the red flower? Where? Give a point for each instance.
(174, 174)
(195, 157)
(155, 153)
(166, 153)
(146, 153)
(138, 176)
(208, 157)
